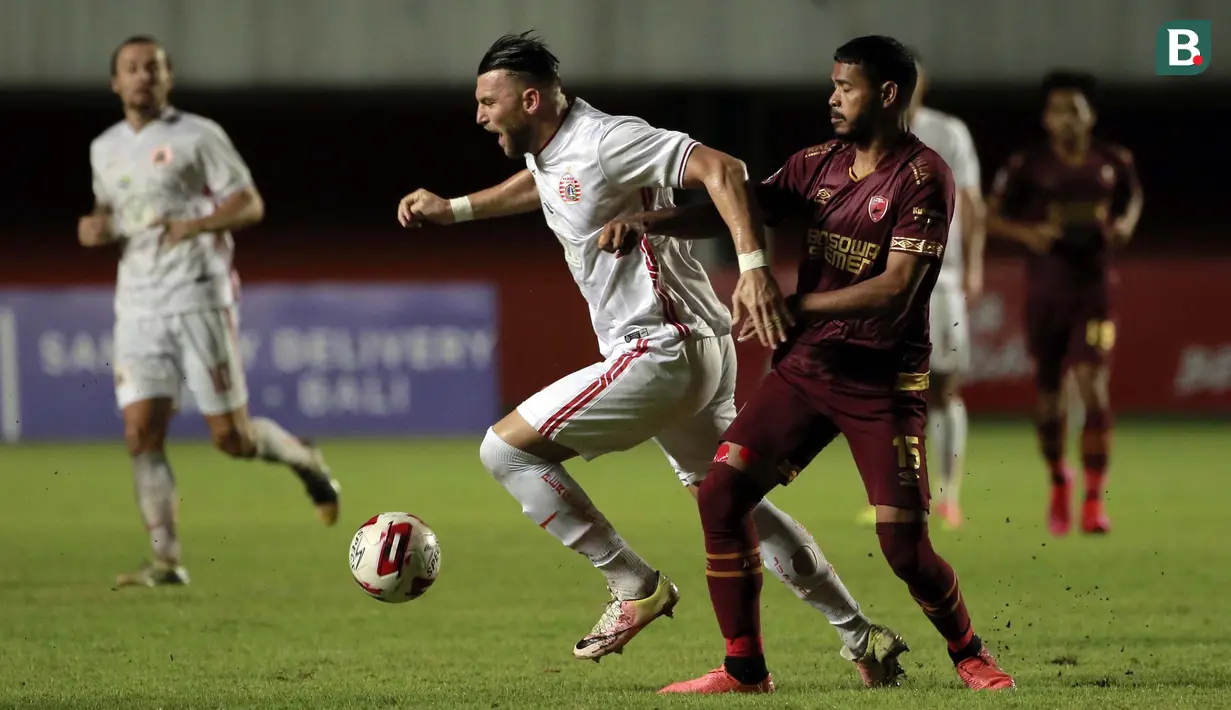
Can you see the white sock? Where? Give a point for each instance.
(273, 443)
(555, 502)
(939, 439)
(956, 445)
(154, 485)
(793, 556)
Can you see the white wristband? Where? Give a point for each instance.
(752, 260)
(462, 211)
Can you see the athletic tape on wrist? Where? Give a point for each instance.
(462, 211)
(752, 260)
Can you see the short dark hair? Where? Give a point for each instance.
(136, 39)
(883, 59)
(1067, 79)
(525, 54)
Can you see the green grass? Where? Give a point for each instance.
(273, 620)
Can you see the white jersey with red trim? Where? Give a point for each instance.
(596, 168)
(180, 166)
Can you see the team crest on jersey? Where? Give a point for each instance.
(162, 155)
(877, 206)
(570, 189)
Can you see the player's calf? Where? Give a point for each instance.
(934, 587)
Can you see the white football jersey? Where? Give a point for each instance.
(179, 166)
(598, 167)
(948, 136)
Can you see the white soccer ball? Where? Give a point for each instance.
(395, 557)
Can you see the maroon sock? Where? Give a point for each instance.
(1095, 447)
(1051, 441)
(930, 579)
(733, 565)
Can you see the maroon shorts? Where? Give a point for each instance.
(801, 406)
(1065, 329)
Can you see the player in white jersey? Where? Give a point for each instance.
(169, 188)
(960, 279)
(669, 368)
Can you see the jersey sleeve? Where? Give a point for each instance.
(636, 154)
(224, 171)
(965, 165)
(1127, 182)
(1011, 186)
(786, 191)
(925, 209)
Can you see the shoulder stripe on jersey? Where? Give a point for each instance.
(651, 266)
(570, 410)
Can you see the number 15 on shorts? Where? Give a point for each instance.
(910, 458)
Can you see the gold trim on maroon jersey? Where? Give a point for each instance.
(916, 246)
(914, 381)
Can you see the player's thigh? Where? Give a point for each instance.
(780, 426)
(887, 438)
(950, 331)
(211, 360)
(145, 362)
(612, 405)
(690, 441)
(1049, 328)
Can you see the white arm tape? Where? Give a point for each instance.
(462, 211)
(752, 260)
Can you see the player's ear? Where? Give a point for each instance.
(531, 99)
(889, 93)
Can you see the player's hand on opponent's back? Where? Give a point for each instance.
(758, 298)
(621, 235)
(422, 206)
(94, 230)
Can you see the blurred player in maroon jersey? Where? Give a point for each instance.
(1070, 200)
(878, 204)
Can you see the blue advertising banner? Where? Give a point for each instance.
(322, 359)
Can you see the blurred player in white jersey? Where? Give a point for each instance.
(169, 188)
(960, 279)
(669, 362)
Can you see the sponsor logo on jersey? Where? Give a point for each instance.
(162, 155)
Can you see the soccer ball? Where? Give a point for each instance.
(395, 557)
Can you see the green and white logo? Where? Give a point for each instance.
(1182, 48)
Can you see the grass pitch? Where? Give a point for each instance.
(273, 620)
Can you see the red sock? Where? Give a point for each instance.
(1095, 447)
(1051, 441)
(733, 560)
(932, 582)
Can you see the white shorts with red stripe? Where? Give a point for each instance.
(679, 392)
(159, 356)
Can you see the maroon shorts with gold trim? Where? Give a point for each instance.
(806, 401)
(1066, 328)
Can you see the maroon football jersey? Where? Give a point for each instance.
(904, 205)
(1036, 185)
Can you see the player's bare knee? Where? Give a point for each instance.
(142, 437)
(232, 440)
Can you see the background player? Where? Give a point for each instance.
(1070, 200)
(880, 203)
(169, 188)
(669, 368)
(960, 279)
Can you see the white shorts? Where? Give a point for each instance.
(156, 356)
(680, 393)
(950, 330)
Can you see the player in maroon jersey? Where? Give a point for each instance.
(879, 203)
(1070, 200)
